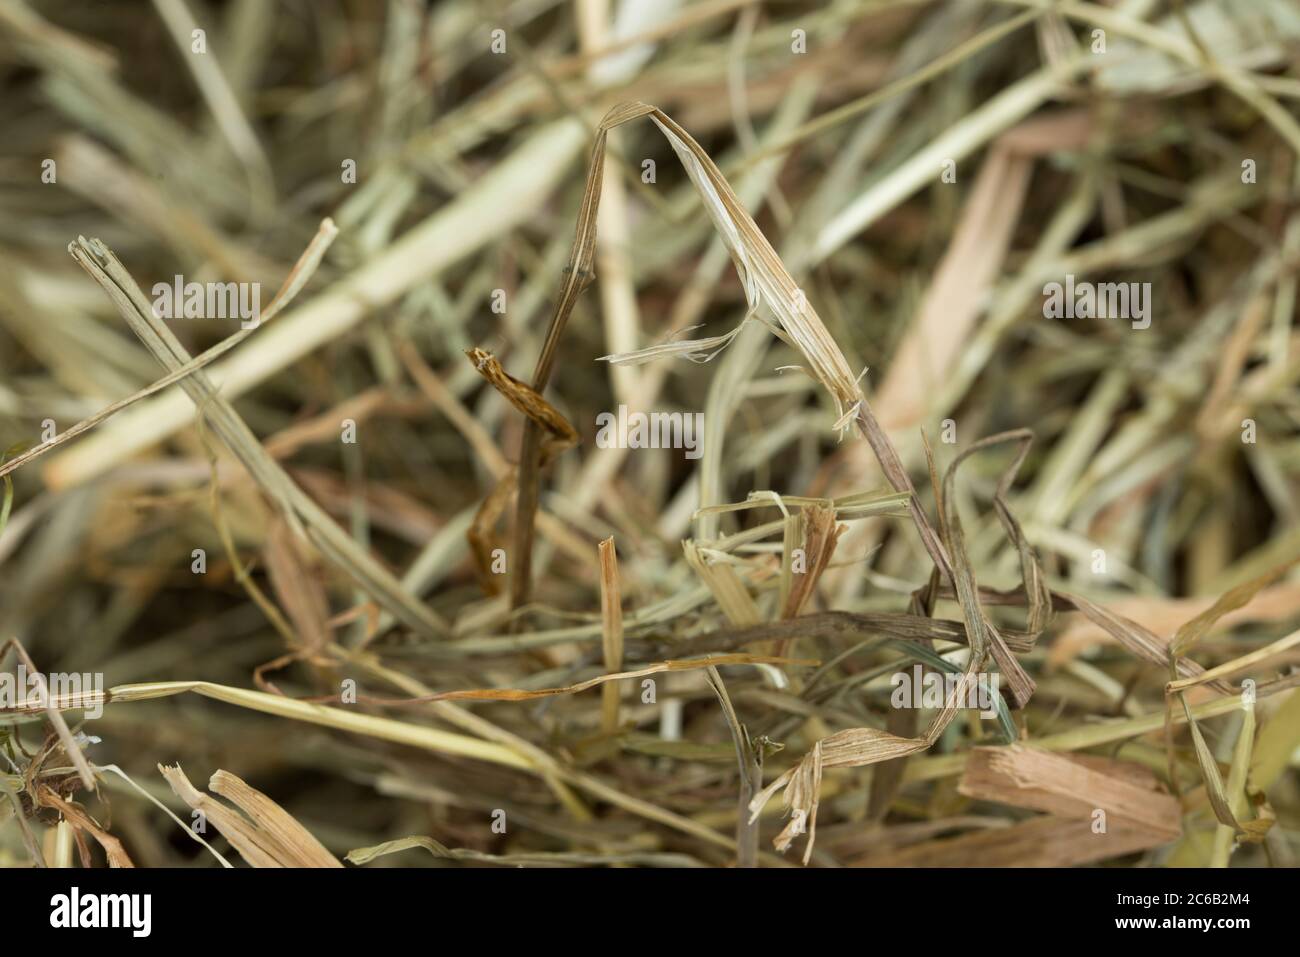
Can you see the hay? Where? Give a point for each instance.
(1001, 386)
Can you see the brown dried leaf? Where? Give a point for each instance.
(1066, 786)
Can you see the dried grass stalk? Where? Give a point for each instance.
(301, 512)
(264, 834)
(611, 611)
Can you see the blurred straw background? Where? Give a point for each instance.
(337, 563)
